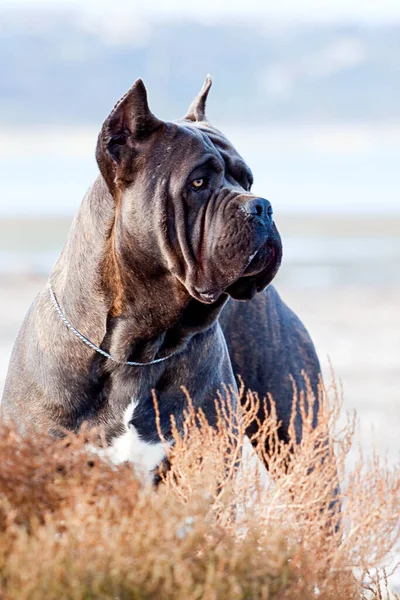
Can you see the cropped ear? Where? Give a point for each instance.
(129, 122)
(197, 110)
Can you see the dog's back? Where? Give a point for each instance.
(270, 350)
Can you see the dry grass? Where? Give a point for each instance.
(74, 527)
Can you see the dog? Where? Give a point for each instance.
(163, 283)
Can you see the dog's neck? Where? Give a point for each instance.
(144, 327)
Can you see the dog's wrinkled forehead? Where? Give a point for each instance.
(211, 141)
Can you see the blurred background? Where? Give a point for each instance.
(310, 94)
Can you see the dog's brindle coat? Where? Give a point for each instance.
(166, 242)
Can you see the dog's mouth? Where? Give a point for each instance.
(259, 273)
(260, 270)
(261, 259)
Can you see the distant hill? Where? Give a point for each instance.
(60, 68)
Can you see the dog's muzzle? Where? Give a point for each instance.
(261, 270)
(258, 255)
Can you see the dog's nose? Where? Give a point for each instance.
(259, 207)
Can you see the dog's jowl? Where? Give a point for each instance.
(162, 284)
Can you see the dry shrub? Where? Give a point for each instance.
(217, 527)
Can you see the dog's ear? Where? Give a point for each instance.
(129, 122)
(197, 110)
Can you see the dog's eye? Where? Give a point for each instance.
(199, 184)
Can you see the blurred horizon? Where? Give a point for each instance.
(310, 96)
(67, 64)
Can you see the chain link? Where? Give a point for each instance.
(93, 346)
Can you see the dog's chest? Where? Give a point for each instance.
(131, 447)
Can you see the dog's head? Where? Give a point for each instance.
(184, 200)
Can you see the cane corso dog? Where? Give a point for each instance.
(162, 284)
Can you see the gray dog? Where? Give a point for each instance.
(148, 292)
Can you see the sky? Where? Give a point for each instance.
(361, 167)
(369, 10)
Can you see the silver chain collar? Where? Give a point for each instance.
(93, 346)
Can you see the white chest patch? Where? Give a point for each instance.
(128, 447)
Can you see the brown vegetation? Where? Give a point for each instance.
(77, 528)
